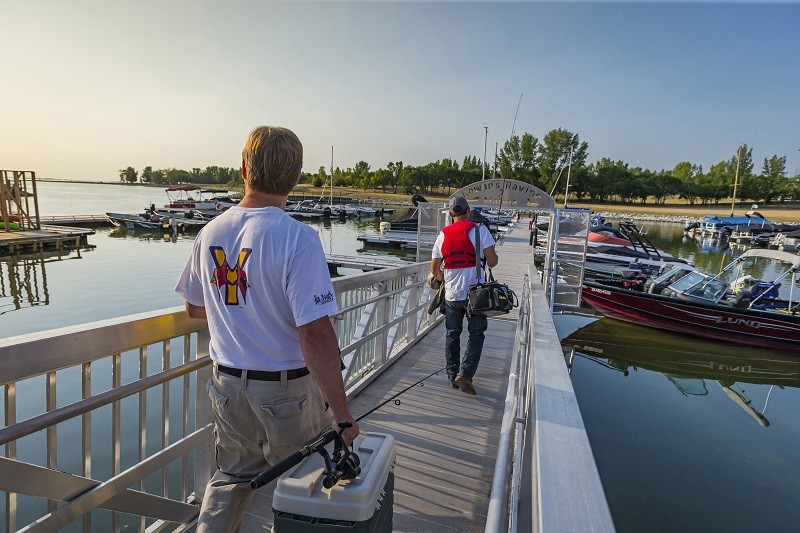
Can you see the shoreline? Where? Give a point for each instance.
(690, 213)
(677, 212)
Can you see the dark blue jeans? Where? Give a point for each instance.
(476, 326)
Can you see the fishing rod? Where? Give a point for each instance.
(397, 402)
(343, 463)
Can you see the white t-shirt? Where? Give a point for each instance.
(458, 280)
(260, 275)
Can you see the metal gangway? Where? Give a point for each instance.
(107, 425)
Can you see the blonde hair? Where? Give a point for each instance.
(273, 159)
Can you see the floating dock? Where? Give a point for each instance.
(390, 239)
(44, 239)
(363, 263)
(75, 220)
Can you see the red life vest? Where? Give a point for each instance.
(457, 248)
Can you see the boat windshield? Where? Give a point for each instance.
(699, 285)
(671, 273)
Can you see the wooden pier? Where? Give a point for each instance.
(22, 228)
(45, 239)
(76, 220)
(361, 262)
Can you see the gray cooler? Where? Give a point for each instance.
(300, 503)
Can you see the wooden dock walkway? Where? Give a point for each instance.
(75, 220)
(361, 262)
(446, 440)
(47, 238)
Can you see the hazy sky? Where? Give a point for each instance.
(89, 87)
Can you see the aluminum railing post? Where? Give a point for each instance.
(203, 455)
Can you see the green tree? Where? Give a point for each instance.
(128, 175)
(662, 185)
(320, 178)
(579, 182)
(519, 158)
(689, 176)
(471, 171)
(611, 178)
(414, 179)
(395, 171)
(147, 175)
(745, 185)
(381, 178)
(790, 191)
(772, 178)
(554, 157)
(339, 177)
(442, 174)
(360, 174)
(715, 184)
(175, 176)
(158, 177)
(235, 180)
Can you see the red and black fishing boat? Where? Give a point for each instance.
(705, 306)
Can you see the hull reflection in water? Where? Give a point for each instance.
(688, 362)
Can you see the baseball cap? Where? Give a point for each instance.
(458, 205)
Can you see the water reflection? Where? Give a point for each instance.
(146, 235)
(23, 278)
(692, 365)
(708, 244)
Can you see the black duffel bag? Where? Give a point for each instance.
(491, 298)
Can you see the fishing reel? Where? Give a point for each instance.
(343, 464)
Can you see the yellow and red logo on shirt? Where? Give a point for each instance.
(230, 281)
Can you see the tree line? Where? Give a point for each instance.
(559, 157)
(173, 176)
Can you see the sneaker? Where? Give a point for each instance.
(453, 383)
(465, 384)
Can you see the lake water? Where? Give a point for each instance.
(688, 434)
(124, 272)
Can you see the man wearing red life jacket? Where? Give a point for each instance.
(453, 262)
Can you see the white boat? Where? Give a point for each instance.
(183, 198)
(163, 222)
(353, 210)
(309, 209)
(499, 217)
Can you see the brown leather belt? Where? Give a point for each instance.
(264, 375)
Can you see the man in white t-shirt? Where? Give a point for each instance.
(453, 261)
(261, 280)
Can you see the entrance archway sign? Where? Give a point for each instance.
(514, 194)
